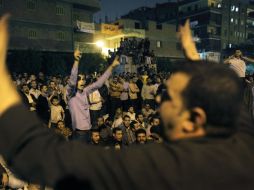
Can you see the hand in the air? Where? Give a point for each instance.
(188, 44)
(8, 93)
(116, 62)
(77, 55)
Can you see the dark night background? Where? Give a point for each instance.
(117, 8)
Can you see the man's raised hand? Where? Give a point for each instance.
(77, 55)
(187, 42)
(8, 93)
(116, 62)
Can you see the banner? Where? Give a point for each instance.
(110, 29)
(139, 33)
(85, 27)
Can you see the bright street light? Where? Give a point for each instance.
(100, 44)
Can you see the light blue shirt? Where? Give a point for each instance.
(78, 103)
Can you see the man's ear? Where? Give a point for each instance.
(198, 116)
(197, 119)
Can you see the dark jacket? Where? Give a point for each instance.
(42, 109)
(203, 164)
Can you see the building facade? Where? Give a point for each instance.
(48, 25)
(162, 37)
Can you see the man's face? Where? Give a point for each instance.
(100, 121)
(41, 75)
(238, 53)
(44, 89)
(131, 109)
(140, 118)
(141, 138)
(118, 136)
(147, 107)
(156, 122)
(95, 137)
(54, 79)
(25, 89)
(34, 84)
(136, 126)
(32, 77)
(173, 111)
(126, 122)
(81, 82)
(52, 85)
(60, 125)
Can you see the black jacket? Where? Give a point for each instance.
(202, 164)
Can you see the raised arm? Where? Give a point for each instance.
(8, 94)
(188, 44)
(98, 84)
(250, 60)
(74, 74)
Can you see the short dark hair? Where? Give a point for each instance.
(139, 131)
(138, 113)
(132, 124)
(215, 88)
(126, 116)
(43, 86)
(95, 130)
(116, 129)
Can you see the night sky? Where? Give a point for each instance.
(117, 8)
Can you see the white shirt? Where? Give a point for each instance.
(238, 65)
(95, 100)
(35, 92)
(132, 116)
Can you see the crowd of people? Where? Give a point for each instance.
(138, 50)
(197, 110)
(125, 104)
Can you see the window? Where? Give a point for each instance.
(242, 22)
(232, 8)
(219, 6)
(76, 17)
(159, 26)
(31, 4)
(59, 10)
(32, 34)
(189, 8)
(137, 25)
(236, 21)
(236, 9)
(159, 44)
(232, 20)
(230, 45)
(212, 4)
(60, 36)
